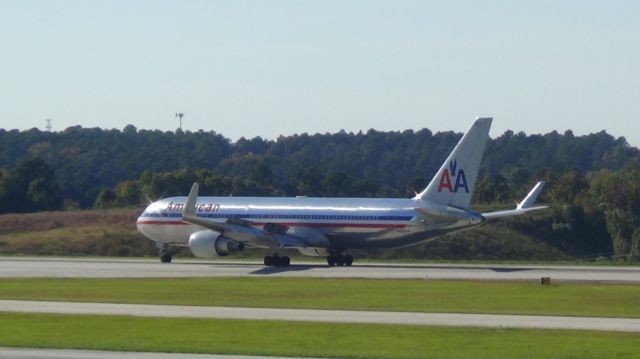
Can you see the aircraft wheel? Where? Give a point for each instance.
(165, 258)
(348, 260)
(331, 260)
(277, 261)
(281, 261)
(340, 261)
(269, 261)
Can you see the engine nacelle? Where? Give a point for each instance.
(210, 244)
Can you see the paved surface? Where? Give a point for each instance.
(19, 353)
(327, 316)
(141, 268)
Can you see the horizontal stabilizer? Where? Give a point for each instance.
(524, 206)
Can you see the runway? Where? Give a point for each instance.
(23, 267)
(326, 316)
(26, 353)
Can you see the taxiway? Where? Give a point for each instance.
(326, 316)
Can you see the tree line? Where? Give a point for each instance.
(594, 186)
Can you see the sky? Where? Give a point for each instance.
(270, 68)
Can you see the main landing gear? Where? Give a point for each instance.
(165, 254)
(277, 261)
(165, 257)
(339, 260)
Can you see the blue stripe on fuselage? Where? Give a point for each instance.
(283, 216)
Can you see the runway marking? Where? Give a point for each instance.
(326, 316)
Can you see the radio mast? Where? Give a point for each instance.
(180, 115)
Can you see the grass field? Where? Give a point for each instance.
(306, 339)
(606, 300)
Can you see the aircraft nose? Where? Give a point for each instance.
(142, 215)
(143, 222)
(145, 214)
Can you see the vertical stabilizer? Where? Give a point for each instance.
(454, 182)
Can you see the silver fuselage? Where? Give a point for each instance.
(348, 223)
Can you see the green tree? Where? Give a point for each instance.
(635, 244)
(29, 187)
(618, 194)
(129, 193)
(106, 199)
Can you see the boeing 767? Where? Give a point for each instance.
(330, 227)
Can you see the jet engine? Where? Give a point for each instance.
(211, 244)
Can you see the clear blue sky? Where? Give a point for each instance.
(265, 68)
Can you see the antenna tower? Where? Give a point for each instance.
(180, 115)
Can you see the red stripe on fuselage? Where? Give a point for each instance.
(175, 223)
(295, 224)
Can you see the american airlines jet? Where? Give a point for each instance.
(218, 226)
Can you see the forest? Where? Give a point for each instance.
(593, 180)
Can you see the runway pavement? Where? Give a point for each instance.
(326, 316)
(25, 353)
(141, 268)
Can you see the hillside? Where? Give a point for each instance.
(104, 233)
(113, 233)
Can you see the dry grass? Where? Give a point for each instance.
(95, 232)
(44, 221)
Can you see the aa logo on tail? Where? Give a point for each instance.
(453, 173)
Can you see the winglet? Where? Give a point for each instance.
(189, 213)
(532, 196)
(189, 209)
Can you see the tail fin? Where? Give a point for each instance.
(453, 183)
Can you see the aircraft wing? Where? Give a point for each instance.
(271, 236)
(526, 205)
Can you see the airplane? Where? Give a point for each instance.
(215, 227)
